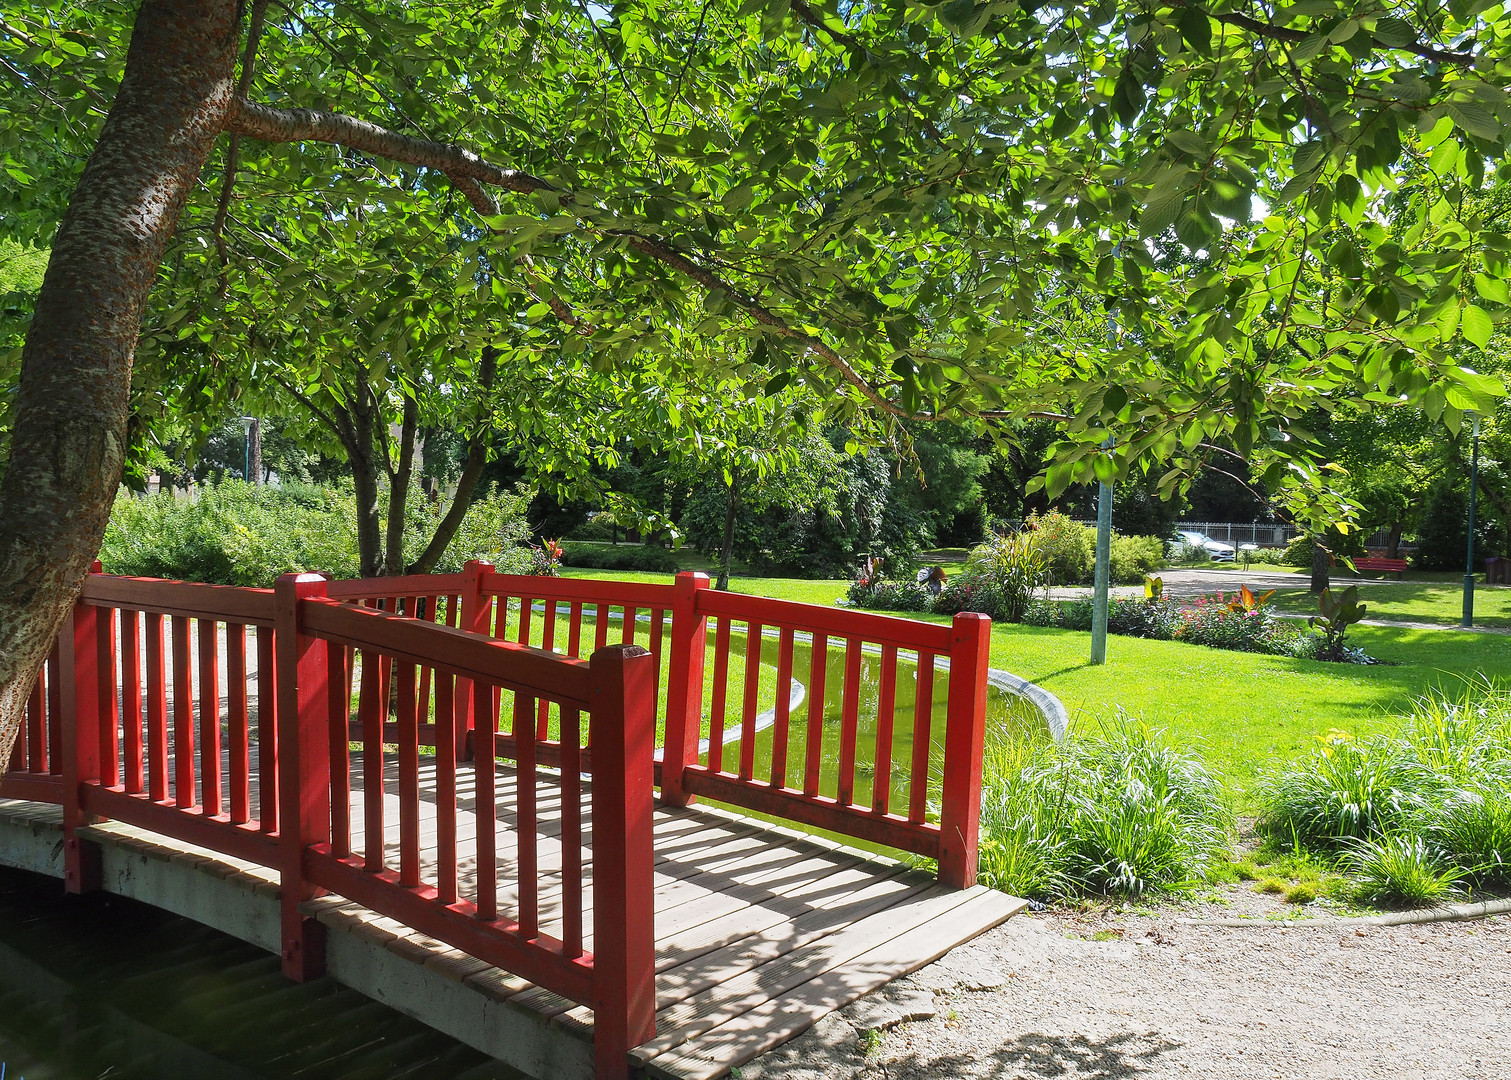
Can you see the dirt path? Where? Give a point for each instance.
(1160, 997)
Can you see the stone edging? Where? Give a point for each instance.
(1447, 913)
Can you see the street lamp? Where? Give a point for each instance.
(246, 460)
(1474, 473)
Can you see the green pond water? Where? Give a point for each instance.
(101, 988)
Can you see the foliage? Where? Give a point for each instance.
(1121, 811)
(1214, 621)
(236, 534)
(1339, 612)
(618, 557)
(1132, 558)
(545, 558)
(1015, 565)
(1065, 545)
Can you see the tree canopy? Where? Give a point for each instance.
(1176, 226)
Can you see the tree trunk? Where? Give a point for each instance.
(362, 456)
(398, 488)
(472, 472)
(1321, 562)
(255, 434)
(1393, 544)
(69, 433)
(727, 551)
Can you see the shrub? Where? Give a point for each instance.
(1133, 557)
(1065, 546)
(1015, 566)
(647, 558)
(1345, 789)
(233, 534)
(1117, 812)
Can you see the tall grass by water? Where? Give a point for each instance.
(1118, 811)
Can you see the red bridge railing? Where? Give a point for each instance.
(128, 722)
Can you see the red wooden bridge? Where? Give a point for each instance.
(419, 785)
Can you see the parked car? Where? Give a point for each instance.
(1216, 550)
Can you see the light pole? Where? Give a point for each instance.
(246, 460)
(1474, 474)
(1103, 568)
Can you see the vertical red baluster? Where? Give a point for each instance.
(453, 609)
(54, 712)
(36, 725)
(886, 714)
(684, 684)
(445, 791)
(372, 710)
(472, 606)
(209, 715)
(428, 613)
(486, 815)
(849, 723)
(721, 694)
(526, 611)
(338, 712)
(622, 689)
(409, 778)
(183, 716)
(574, 630)
(524, 780)
(547, 641)
(131, 702)
(110, 715)
(571, 831)
(656, 645)
(79, 748)
(157, 711)
(923, 714)
(239, 775)
(780, 720)
(753, 639)
(304, 793)
(818, 672)
(964, 738)
(601, 627)
(627, 630)
(267, 730)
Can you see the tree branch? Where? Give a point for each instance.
(343, 432)
(233, 146)
(469, 172)
(1282, 33)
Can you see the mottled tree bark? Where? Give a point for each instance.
(70, 420)
(1322, 561)
(726, 549)
(398, 488)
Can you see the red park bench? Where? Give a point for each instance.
(1370, 562)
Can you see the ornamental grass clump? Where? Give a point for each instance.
(1410, 814)
(1121, 811)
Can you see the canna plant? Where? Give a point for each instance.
(1339, 612)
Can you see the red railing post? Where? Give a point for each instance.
(474, 620)
(81, 702)
(622, 732)
(684, 687)
(964, 739)
(304, 786)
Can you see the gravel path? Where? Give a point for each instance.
(1163, 997)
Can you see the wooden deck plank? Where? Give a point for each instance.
(773, 1021)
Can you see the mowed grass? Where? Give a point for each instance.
(1243, 712)
(1439, 602)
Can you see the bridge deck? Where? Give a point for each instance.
(760, 930)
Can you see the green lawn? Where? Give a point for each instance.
(1240, 710)
(1434, 601)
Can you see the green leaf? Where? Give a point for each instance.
(1475, 119)
(1477, 325)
